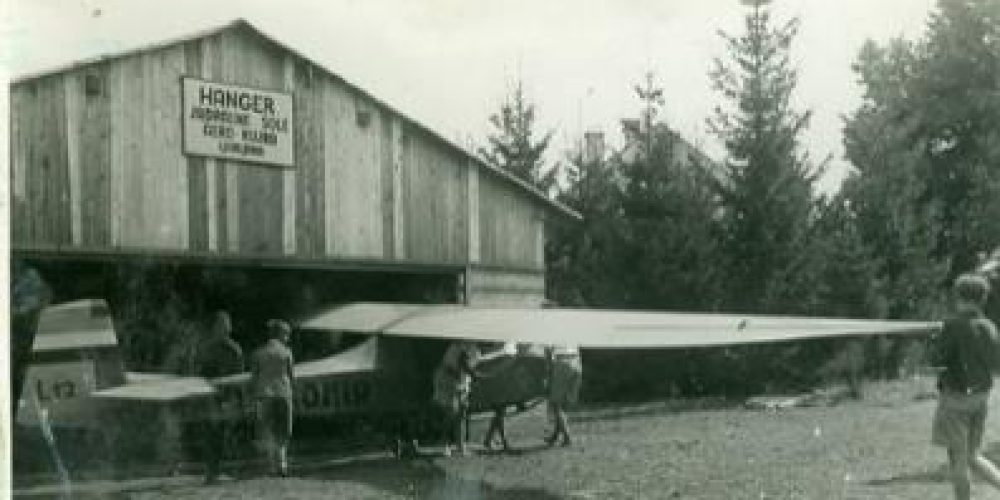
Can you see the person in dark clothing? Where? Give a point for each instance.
(452, 385)
(28, 296)
(219, 356)
(968, 350)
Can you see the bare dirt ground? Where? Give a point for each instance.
(876, 448)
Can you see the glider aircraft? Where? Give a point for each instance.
(373, 362)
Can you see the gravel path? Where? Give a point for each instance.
(872, 449)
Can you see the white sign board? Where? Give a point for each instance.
(237, 123)
(62, 391)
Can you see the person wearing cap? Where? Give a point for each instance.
(967, 350)
(219, 356)
(271, 382)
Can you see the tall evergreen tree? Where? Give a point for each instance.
(888, 194)
(514, 145)
(766, 190)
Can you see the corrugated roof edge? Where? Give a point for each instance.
(240, 22)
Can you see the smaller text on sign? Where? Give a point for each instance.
(238, 123)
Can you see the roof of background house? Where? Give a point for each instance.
(630, 151)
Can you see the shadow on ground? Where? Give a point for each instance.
(416, 478)
(618, 411)
(516, 451)
(938, 475)
(420, 478)
(105, 490)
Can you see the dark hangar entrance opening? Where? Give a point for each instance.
(161, 307)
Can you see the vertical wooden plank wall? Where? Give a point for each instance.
(458, 204)
(149, 173)
(400, 152)
(131, 212)
(88, 148)
(106, 169)
(74, 104)
(116, 178)
(42, 212)
(168, 228)
(434, 199)
(215, 192)
(354, 177)
(201, 216)
(95, 162)
(228, 171)
(19, 215)
(387, 173)
(21, 218)
(53, 186)
(498, 288)
(310, 161)
(472, 218)
(509, 227)
(288, 175)
(260, 188)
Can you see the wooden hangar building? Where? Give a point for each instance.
(226, 170)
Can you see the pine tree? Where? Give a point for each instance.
(766, 190)
(514, 146)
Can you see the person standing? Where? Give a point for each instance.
(968, 350)
(219, 356)
(271, 380)
(29, 294)
(565, 375)
(452, 385)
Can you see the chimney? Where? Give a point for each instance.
(632, 129)
(593, 150)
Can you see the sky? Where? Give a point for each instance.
(449, 63)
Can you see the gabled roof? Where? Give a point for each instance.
(242, 23)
